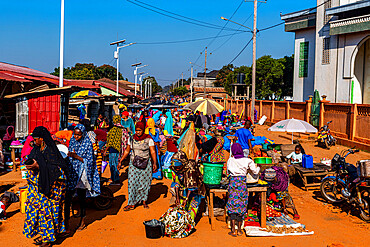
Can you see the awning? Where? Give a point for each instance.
(348, 7)
(57, 90)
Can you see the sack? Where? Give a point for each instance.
(140, 162)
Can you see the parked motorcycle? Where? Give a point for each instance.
(346, 185)
(325, 136)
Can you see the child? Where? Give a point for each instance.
(296, 156)
(4, 203)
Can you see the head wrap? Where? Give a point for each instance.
(140, 125)
(125, 113)
(168, 127)
(150, 126)
(237, 151)
(26, 150)
(50, 160)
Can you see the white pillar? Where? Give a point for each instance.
(61, 48)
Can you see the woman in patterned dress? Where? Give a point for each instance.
(139, 180)
(46, 189)
(237, 167)
(83, 175)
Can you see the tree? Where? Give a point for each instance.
(221, 78)
(179, 91)
(89, 71)
(155, 87)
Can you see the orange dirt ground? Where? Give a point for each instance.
(114, 227)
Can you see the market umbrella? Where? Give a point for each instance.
(207, 106)
(162, 105)
(136, 106)
(293, 125)
(84, 93)
(184, 104)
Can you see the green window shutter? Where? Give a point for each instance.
(303, 59)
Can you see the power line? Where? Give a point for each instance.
(179, 19)
(267, 28)
(241, 51)
(184, 41)
(235, 31)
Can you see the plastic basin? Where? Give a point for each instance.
(212, 173)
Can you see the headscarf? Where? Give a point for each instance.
(84, 149)
(26, 150)
(217, 155)
(150, 126)
(157, 116)
(125, 113)
(140, 125)
(237, 151)
(49, 160)
(114, 137)
(168, 126)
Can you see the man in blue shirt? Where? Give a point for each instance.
(244, 138)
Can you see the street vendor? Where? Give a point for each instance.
(244, 138)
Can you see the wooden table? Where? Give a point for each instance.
(318, 171)
(214, 192)
(12, 155)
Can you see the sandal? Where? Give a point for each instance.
(240, 233)
(37, 241)
(146, 206)
(296, 217)
(233, 234)
(128, 208)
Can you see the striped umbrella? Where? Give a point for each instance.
(84, 93)
(207, 106)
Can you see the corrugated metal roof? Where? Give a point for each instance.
(56, 90)
(10, 77)
(88, 84)
(298, 13)
(25, 70)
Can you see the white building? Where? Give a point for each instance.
(332, 50)
(210, 79)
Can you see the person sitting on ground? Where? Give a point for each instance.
(244, 138)
(296, 156)
(238, 166)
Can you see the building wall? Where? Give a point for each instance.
(304, 86)
(199, 82)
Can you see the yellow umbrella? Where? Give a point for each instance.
(207, 106)
(184, 104)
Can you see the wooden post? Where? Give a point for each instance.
(287, 110)
(322, 110)
(308, 109)
(272, 111)
(260, 111)
(352, 127)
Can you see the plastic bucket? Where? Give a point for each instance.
(260, 160)
(212, 173)
(154, 229)
(268, 160)
(23, 198)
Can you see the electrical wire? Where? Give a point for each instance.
(232, 35)
(241, 51)
(179, 19)
(184, 41)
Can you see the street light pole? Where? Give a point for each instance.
(254, 61)
(61, 48)
(191, 84)
(205, 72)
(135, 73)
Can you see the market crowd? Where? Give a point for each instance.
(153, 143)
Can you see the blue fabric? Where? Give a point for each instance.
(166, 160)
(157, 116)
(82, 109)
(158, 173)
(227, 142)
(102, 144)
(258, 140)
(113, 150)
(128, 124)
(243, 136)
(84, 149)
(113, 163)
(169, 124)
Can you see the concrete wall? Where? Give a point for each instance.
(304, 86)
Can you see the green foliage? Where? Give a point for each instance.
(155, 87)
(274, 77)
(89, 71)
(179, 91)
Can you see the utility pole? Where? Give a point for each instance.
(254, 61)
(191, 84)
(61, 48)
(182, 79)
(205, 72)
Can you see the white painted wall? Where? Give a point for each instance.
(303, 87)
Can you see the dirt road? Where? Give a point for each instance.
(115, 227)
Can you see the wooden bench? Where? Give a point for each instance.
(319, 171)
(214, 192)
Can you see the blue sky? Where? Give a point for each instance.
(29, 33)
